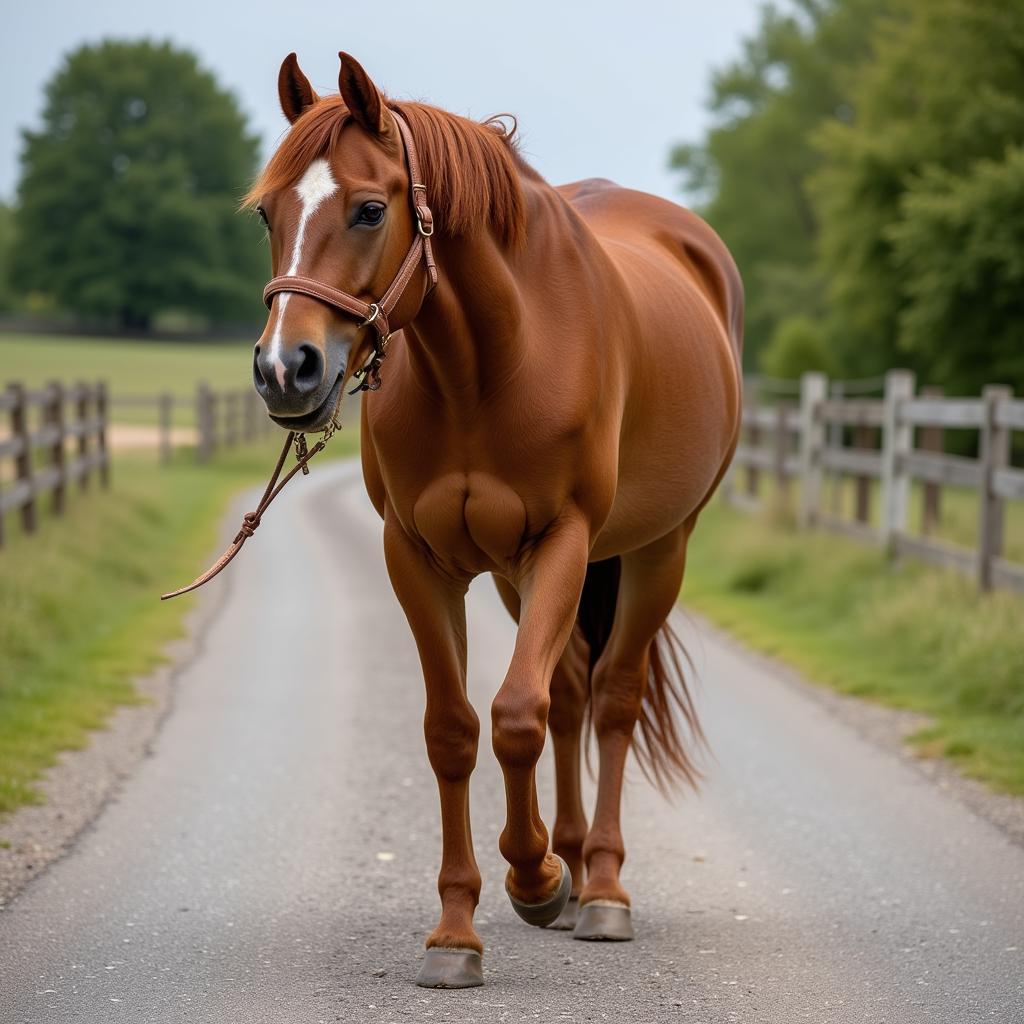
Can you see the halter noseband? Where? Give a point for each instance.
(375, 314)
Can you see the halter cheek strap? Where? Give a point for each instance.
(375, 314)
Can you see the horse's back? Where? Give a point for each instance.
(626, 220)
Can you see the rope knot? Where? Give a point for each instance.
(249, 523)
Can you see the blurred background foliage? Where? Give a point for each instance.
(865, 165)
(127, 204)
(866, 168)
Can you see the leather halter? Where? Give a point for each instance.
(375, 314)
(371, 314)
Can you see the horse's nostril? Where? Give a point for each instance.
(310, 371)
(257, 374)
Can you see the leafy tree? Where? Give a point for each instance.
(958, 249)
(750, 176)
(797, 345)
(921, 197)
(6, 251)
(129, 190)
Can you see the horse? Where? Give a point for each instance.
(562, 396)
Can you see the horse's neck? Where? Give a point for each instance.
(470, 337)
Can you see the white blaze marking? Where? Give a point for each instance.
(313, 188)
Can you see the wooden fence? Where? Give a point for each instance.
(885, 442)
(57, 437)
(223, 419)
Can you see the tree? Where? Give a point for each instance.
(797, 345)
(751, 174)
(128, 195)
(6, 251)
(921, 197)
(958, 249)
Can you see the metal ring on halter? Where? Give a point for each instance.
(422, 228)
(372, 317)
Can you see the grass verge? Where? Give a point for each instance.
(79, 615)
(910, 636)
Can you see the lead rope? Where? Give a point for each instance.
(251, 520)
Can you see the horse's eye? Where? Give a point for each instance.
(263, 217)
(371, 213)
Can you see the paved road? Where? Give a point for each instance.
(274, 860)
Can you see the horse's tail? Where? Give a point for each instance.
(667, 716)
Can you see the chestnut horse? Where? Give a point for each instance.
(555, 412)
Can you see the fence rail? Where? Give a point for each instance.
(60, 435)
(223, 419)
(885, 443)
(42, 426)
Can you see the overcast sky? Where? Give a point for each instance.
(600, 88)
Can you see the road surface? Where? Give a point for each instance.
(274, 860)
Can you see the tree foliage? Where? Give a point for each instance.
(6, 253)
(866, 167)
(128, 195)
(921, 196)
(753, 169)
(797, 345)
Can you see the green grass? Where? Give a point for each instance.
(958, 512)
(79, 615)
(909, 636)
(129, 367)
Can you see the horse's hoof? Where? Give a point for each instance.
(604, 921)
(542, 914)
(566, 920)
(451, 968)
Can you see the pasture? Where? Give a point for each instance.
(910, 636)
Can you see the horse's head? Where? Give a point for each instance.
(335, 198)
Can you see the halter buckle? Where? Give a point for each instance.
(424, 221)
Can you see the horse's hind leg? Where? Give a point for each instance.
(570, 684)
(648, 589)
(435, 608)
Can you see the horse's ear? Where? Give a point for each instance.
(361, 96)
(294, 90)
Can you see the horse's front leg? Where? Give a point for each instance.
(549, 581)
(435, 608)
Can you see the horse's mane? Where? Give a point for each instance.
(471, 169)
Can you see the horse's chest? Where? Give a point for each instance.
(473, 519)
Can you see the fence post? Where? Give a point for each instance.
(863, 440)
(813, 391)
(781, 451)
(53, 416)
(931, 439)
(166, 402)
(897, 437)
(993, 454)
(101, 433)
(23, 461)
(836, 390)
(231, 419)
(753, 437)
(204, 443)
(81, 418)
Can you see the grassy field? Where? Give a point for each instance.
(79, 615)
(129, 367)
(909, 636)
